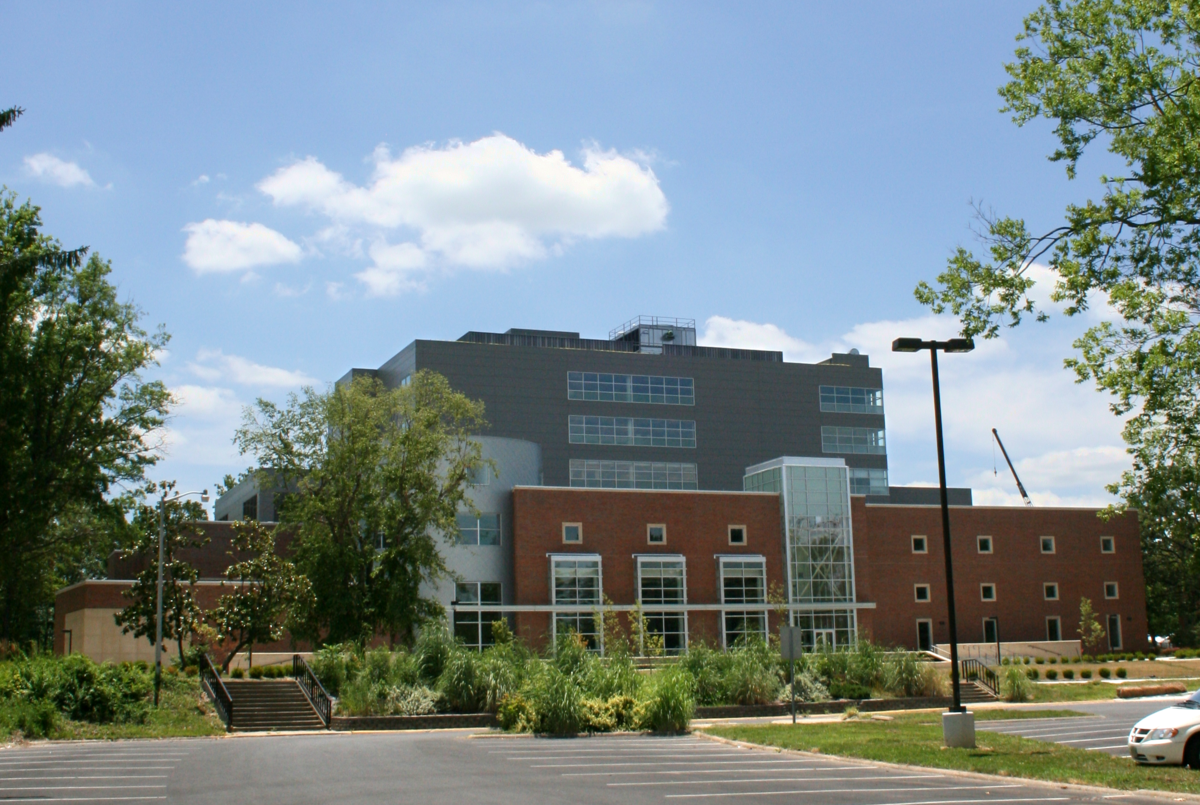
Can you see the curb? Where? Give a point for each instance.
(1171, 796)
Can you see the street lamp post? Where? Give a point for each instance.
(960, 729)
(158, 610)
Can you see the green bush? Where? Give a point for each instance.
(32, 719)
(1052, 674)
(256, 672)
(1052, 660)
(461, 682)
(1068, 674)
(1016, 686)
(1086, 673)
(906, 675)
(708, 668)
(849, 690)
(77, 688)
(808, 688)
(669, 701)
(433, 648)
(515, 713)
(237, 673)
(1105, 673)
(1040, 660)
(1032, 674)
(609, 715)
(336, 665)
(752, 676)
(556, 701)
(1121, 673)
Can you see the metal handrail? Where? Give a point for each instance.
(978, 672)
(210, 683)
(650, 321)
(320, 699)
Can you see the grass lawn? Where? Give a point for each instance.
(916, 739)
(184, 713)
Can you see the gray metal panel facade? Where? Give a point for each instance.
(746, 411)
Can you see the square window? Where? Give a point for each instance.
(1047, 544)
(572, 532)
(656, 534)
(1110, 589)
(1053, 629)
(919, 545)
(737, 535)
(1050, 591)
(921, 592)
(1108, 545)
(987, 592)
(985, 544)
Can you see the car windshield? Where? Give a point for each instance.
(1192, 701)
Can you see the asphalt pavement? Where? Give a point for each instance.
(1105, 728)
(452, 767)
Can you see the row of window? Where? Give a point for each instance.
(630, 388)
(1048, 545)
(630, 431)
(1053, 631)
(595, 474)
(852, 440)
(656, 534)
(868, 481)
(850, 400)
(987, 591)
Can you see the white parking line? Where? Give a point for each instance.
(1106, 748)
(923, 802)
(86, 799)
(1039, 735)
(701, 771)
(103, 768)
(769, 780)
(685, 753)
(92, 777)
(75, 787)
(662, 763)
(849, 791)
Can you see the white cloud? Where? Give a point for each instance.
(1062, 436)
(488, 204)
(214, 246)
(56, 171)
(215, 365)
(201, 179)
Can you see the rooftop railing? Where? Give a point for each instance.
(650, 321)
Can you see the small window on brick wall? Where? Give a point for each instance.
(1110, 589)
(1050, 591)
(1108, 545)
(572, 533)
(921, 592)
(985, 544)
(920, 545)
(987, 592)
(737, 535)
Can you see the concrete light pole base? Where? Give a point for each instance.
(958, 730)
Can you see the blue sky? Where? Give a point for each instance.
(297, 189)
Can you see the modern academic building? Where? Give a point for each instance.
(719, 491)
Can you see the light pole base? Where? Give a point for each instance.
(958, 730)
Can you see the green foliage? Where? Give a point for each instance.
(335, 665)
(556, 701)
(1121, 673)
(749, 673)
(515, 713)
(1032, 674)
(904, 674)
(1015, 685)
(432, 650)
(1052, 674)
(849, 690)
(461, 682)
(375, 476)
(32, 719)
(76, 688)
(1067, 674)
(1090, 630)
(268, 590)
(668, 701)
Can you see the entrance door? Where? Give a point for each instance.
(925, 635)
(1114, 632)
(989, 630)
(823, 640)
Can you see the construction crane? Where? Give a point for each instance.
(1017, 478)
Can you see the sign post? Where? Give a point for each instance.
(791, 645)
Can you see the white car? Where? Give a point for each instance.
(1170, 736)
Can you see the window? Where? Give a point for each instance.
(1108, 545)
(630, 388)
(852, 440)
(987, 592)
(921, 593)
(743, 581)
(664, 581)
(577, 583)
(595, 474)
(481, 530)
(1047, 544)
(924, 635)
(474, 628)
(628, 431)
(250, 508)
(1114, 632)
(989, 630)
(1050, 591)
(656, 534)
(849, 400)
(572, 532)
(1053, 629)
(868, 482)
(478, 475)
(737, 535)
(984, 544)
(1110, 589)
(920, 545)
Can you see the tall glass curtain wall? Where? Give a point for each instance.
(819, 547)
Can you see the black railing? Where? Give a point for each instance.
(321, 701)
(975, 671)
(210, 681)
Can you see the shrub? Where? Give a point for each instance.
(1068, 674)
(1040, 660)
(1086, 673)
(515, 713)
(1027, 660)
(1032, 673)
(1121, 673)
(1016, 686)
(237, 673)
(849, 690)
(256, 672)
(669, 701)
(1105, 673)
(596, 716)
(1052, 674)
(431, 651)
(1052, 660)
(461, 682)
(336, 665)
(906, 675)
(190, 670)
(33, 719)
(613, 676)
(556, 701)
(752, 676)
(498, 674)
(413, 700)
(808, 688)
(708, 668)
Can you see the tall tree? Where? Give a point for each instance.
(377, 477)
(1123, 75)
(181, 612)
(77, 418)
(268, 590)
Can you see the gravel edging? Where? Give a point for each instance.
(438, 721)
(1170, 796)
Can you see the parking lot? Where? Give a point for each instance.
(1105, 728)
(453, 767)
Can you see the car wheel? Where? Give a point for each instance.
(1191, 753)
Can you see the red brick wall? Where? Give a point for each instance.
(614, 526)
(887, 569)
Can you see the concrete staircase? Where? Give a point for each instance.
(263, 705)
(973, 693)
